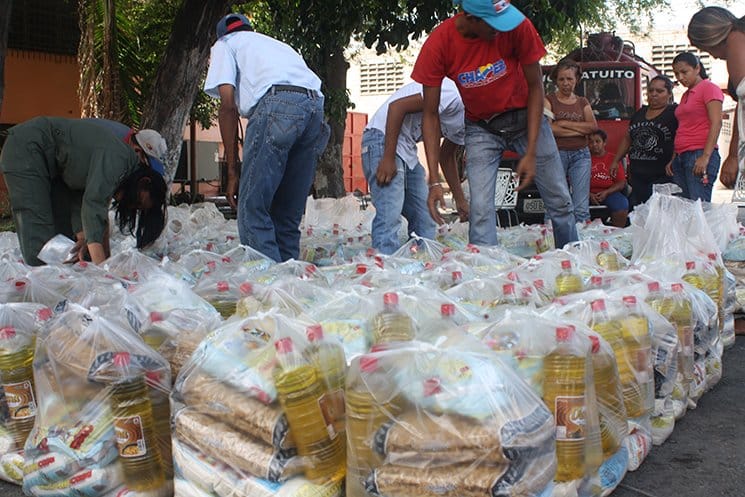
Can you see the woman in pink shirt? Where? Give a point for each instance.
(699, 114)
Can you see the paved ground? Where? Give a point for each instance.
(704, 457)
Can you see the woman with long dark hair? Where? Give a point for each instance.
(699, 113)
(62, 175)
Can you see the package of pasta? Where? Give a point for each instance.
(19, 326)
(103, 418)
(215, 479)
(176, 334)
(446, 418)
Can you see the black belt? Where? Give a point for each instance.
(292, 88)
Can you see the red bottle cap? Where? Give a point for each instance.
(390, 298)
(314, 332)
(690, 265)
(676, 287)
(447, 310)
(155, 317)
(283, 345)
(222, 286)
(566, 264)
(508, 289)
(7, 332)
(604, 245)
(597, 305)
(564, 333)
(246, 288)
(629, 300)
(595, 343)
(653, 286)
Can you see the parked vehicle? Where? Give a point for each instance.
(614, 80)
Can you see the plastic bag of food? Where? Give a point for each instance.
(103, 410)
(453, 422)
(248, 388)
(19, 325)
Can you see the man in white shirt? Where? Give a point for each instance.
(269, 83)
(397, 179)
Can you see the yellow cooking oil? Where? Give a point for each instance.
(327, 355)
(134, 427)
(567, 281)
(636, 336)
(371, 402)
(564, 394)
(607, 259)
(612, 332)
(611, 410)
(301, 392)
(17, 376)
(391, 324)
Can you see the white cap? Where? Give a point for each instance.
(152, 143)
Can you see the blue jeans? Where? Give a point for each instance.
(285, 136)
(692, 185)
(577, 165)
(483, 155)
(406, 194)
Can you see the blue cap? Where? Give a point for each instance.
(156, 166)
(499, 14)
(230, 23)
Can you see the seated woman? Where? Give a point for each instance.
(606, 187)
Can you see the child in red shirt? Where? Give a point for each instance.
(606, 188)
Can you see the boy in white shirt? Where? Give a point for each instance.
(397, 179)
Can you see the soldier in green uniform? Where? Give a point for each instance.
(62, 175)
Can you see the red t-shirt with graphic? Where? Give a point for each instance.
(601, 178)
(488, 73)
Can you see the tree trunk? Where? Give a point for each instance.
(329, 181)
(5, 8)
(89, 76)
(180, 72)
(111, 94)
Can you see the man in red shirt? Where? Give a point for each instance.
(492, 52)
(606, 187)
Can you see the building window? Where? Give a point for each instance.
(663, 55)
(381, 78)
(49, 26)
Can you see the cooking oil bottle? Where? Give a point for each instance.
(134, 426)
(224, 302)
(606, 258)
(17, 376)
(611, 331)
(301, 390)
(638, 345)
(567, 281)
(392, 325)
(162, 421)
(564, 394)
(371, 402)
(328, 358)
(676, 308)
(611, 410)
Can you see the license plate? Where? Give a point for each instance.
(533, 205)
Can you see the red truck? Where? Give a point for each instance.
(614, 80)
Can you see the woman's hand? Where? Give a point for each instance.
(728, 174)
(79, 251)
(669, 168)
(699, 167)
